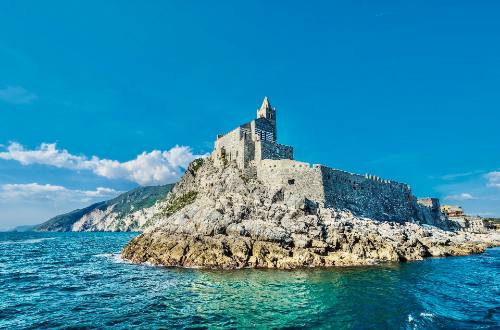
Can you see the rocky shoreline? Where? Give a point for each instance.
(222, 218)
(350, 244)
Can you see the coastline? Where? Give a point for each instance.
(226, 252)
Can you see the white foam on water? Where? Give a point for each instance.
(113, 257)
(27, 241)
(117, 258)
(427, 315)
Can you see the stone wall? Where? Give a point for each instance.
(296, 178)
(241, 147)
(271, 150)
(265, 129)
(430, 202)
(233, 146)
(429, 212)
(367, 196)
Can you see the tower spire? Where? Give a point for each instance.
(266, 111)
(265, 104)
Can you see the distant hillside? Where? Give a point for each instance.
(123, 213)
(22, 229)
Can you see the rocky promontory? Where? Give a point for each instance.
(224, 217)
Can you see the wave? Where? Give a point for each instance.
(114, 257)
(117, 258)
(27, 241)
(427, 315)
(422, 320)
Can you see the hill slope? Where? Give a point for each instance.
(126, 212)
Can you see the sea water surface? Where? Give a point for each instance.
(61, 280)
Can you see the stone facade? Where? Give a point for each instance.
(254, 148)
(368, 196)
(295, 178)
(253, 141)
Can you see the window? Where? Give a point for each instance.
(291, 181)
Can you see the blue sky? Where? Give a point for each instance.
(405, 90)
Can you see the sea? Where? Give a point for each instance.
(79, 281)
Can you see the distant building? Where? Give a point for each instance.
(469, 223)
(452, 210)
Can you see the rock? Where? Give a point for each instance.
(218, 218)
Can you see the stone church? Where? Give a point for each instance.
(253, 147)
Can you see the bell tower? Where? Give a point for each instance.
(266, 111)
(267, 114)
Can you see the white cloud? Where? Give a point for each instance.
(46, 192)
(155, 167)
(454, 176)
(493, 179)
(460, 197)
(17, 95)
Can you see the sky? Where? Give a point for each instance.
(98, 97)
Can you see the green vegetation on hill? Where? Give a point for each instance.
(195, 166)
(139, 198)
(125, 203)
(178, 203)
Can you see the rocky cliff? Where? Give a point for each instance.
(127, 212)
(224, 217)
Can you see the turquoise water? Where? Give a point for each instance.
(58, 280)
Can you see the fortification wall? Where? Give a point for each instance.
(364, 195)
(297, 178)
(368, 196)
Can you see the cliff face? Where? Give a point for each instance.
(127, 212)
(224, 217)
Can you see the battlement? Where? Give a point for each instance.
(363, 194)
